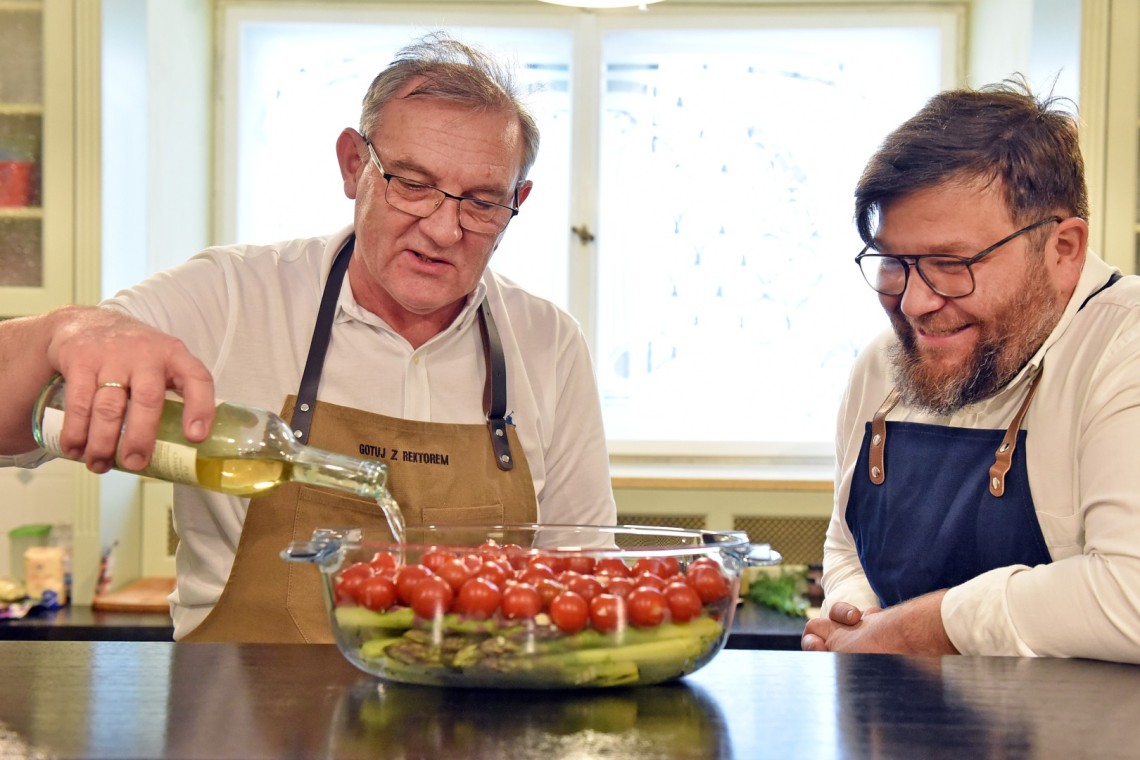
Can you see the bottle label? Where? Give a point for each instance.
(170, 461)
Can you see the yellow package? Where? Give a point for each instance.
(44, 575)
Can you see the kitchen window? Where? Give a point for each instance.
(693, 191)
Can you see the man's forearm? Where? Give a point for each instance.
(24, 368)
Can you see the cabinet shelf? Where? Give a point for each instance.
(21, 109)
(21, 212)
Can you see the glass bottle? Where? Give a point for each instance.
(248, 452)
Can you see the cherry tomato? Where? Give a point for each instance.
(432, 596)
(651, 565)
(699, 563)
(377, 593)
(407, 578)
(433, 559)
(456, 572)
(349, 580)
(535, 572)
(710, 584)
(570, 612)
(580, 563)
(613, 566)
(684, 602)
(548, 589)
(670, 566)
(383, 561)
(647, 606)
(619, 586)
(521, 602)
(557, 564)
(607, 612)
(493, 572)
(649, 579)
(478, 597)
(516, 556)
(585, 586)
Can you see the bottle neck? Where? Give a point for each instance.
(362, 477)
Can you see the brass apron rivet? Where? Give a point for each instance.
(875, 471)
(1004, 448)
(304, 407)
(499, 433)
(876, 439)
(297, 434)
(504, 458)
(995, 484)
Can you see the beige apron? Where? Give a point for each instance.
(438, 473)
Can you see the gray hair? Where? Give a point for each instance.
(456, 72)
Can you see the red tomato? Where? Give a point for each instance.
(684, 602)
(569, 611)
(479, 598)
(535, 572)
(407, 578)
(516, 556)
(493, 572)
(651, 565)
(647, 607)
(377, 593)
(548, 589)
(557, 564)
(431, 597)
(349, 580)
(433, 559)
(699, 563)
(456, 572)
(649, 579)
(607, 612)
(585, 586)
(383, 561)
(521, 602)
(710, 584)
(613, 566)
(619, 586)
(670, 566)
(580, 563)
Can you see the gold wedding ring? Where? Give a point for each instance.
(112, 385)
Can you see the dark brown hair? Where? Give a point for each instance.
(1000, 132)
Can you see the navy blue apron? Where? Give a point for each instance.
(957, 503)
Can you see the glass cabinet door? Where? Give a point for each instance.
(35, 150)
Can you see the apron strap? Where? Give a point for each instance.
(1003, 458)
(876, 466)
(495, 388)
(319, 344)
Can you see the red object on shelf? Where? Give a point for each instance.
(17, 183)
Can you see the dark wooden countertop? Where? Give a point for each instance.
(753, 627)
(81, 699)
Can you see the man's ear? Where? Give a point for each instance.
(524, 191)
(350, 155)
(1068, 253)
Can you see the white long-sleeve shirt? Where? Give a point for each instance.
(1083, 459)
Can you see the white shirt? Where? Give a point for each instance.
(248, 313)
(1083, 459)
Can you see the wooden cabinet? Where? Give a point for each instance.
(37, 155)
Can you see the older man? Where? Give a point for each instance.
(387, 338)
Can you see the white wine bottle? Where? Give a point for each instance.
(248, 452)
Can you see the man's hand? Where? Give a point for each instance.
(108, 358)
(913, 627)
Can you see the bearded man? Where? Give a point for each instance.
(988, 452)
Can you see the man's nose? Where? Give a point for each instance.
(919, 298)
(442, 225)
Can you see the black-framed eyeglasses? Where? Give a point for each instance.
(948, 276)
(418, 199)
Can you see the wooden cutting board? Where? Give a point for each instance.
(143, 595)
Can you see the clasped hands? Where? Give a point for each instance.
(913, 627)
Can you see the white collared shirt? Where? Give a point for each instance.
(1083, 461)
